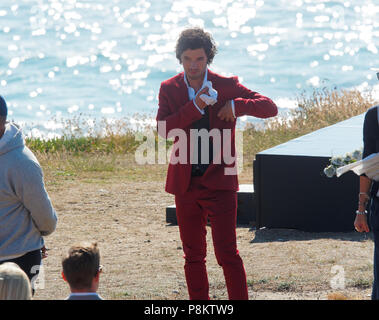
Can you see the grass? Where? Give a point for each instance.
(84, 136)
(101, 193)
(88, 146)
(286, 286)
(361, 283)
(273, 284)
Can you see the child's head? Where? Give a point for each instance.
(81, 267)
(14, 283)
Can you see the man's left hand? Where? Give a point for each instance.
(226, 112)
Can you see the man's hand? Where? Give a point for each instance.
(226, 112)
(44, 252)
(199, 102)
(360, 223)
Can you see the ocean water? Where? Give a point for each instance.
(106, 59)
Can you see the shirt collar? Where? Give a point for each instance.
(83, 294)
(204, 80)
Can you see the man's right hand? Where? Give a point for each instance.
(360, 223)
(199, 102)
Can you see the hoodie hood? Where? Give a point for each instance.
(12, 138)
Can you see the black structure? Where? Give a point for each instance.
(245, 211)
(291, 190)
(171, 215)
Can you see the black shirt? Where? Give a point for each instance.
(371, 132)
(199, 168)
(371, 138)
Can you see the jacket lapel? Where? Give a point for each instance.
(183, 90)
(211, 78)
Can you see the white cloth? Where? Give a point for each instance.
(368, 166)
(212, 96)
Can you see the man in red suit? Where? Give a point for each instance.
(199, 109)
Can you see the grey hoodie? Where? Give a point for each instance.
(26, 212)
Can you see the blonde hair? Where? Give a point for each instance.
(14, 283)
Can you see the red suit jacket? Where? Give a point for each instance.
(178, 112)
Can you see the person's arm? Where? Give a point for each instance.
(247, 102)
(253, 104)
(369, 147)
(360, 222)
(31, 192)
(182, 118)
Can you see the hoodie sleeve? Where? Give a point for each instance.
(30, 190)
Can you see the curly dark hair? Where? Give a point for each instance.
(196, 38)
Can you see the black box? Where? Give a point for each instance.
(291, 190)
(245, 211)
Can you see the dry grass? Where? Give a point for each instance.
(123, 209)
(86, 137)
(101, 194)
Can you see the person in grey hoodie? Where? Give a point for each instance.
(26, 212)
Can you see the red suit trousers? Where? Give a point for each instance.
(192, 210)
